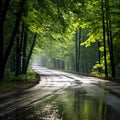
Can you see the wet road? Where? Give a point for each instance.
(63, 96)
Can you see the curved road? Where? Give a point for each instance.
(63, 96)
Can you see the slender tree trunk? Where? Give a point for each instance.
(77, 39)
(112, 55)
(63, 65)
(1, 3)
(99, 56)
(104, 40)
(18, 56)
(24, 53)
(19, 43)
(30, 53)
(3, 12)
(5, 9)
(80, 34)
(1, 42)
(109, 38)
(76, 67)
(22, 34)
(1, 32)
(13, 58)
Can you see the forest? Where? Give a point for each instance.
(80, 36)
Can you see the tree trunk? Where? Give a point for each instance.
(112, 55)
(3, 12)
(104, 40)
(24, 53)
(1, 2)
(30, 53)
(18, 56)
(1, 32)
(12, 63)
(1, 42)
(77, 39)
(99, 55)
(109, 38)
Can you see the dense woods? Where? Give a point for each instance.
(74, 35)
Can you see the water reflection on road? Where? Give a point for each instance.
(63, 98)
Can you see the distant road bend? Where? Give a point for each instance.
(63, 96)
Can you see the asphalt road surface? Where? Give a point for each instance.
(63, 96)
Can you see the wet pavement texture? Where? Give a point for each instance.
(63, 96)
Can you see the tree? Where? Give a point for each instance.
(104, 40)
(77, 40)
(3, 11)
(12, 39)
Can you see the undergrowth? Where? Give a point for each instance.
(12, 82)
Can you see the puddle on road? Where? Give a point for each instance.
(71, 104)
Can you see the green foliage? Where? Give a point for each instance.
(5, 85)
(30, 77)
(11, 82)
(98, 66)
(98, 74)
(10, 76)
(60, 20)
(55, 23)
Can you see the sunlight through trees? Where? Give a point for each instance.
(80, 36)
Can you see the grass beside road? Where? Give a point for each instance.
(6, 86)
(11, 83)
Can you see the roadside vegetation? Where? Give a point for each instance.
(11, 82)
